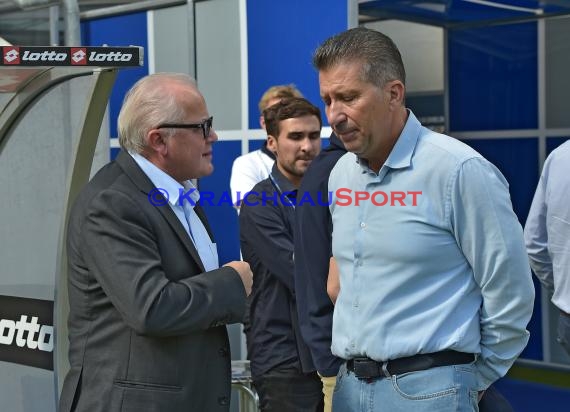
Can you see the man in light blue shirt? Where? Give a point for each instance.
(435, 286)
(547, 235)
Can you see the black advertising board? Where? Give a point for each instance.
(26, 331)
(71, 56)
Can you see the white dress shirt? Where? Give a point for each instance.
(182, 199)
(247, 171)
(547, 229)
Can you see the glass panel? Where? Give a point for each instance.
(557, 32)
(35, 158)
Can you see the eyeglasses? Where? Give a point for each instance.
(206, 126)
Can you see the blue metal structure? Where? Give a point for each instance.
(461, 14)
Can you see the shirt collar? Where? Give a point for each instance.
(165, 182)
(284, 184)
(268, 152)
(401, 155)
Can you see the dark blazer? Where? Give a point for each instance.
(313, 237)
(266, 220)
(146, 323)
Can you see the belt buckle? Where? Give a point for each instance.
(369, 369)
(365, 368)
(385, 370)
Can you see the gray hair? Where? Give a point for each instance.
(380, 58)
(147, 104)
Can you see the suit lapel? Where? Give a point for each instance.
(144, 184)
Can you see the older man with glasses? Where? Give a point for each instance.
(148, 302)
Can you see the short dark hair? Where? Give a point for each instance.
(288, 109)
(380, 58)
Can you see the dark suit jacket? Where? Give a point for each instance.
(146, 323)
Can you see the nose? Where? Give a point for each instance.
(335, 113)
(306, 145)
(213, 136)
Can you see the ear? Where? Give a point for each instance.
(262, 122)
(397, 92)
(156, 142)
(272, 143)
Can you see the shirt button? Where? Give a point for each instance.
(223, 400)
(362, 225)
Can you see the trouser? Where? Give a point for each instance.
(285, 390)
(443, 389)
(564, 331)
(493, 401)
(328, 388)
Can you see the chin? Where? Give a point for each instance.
(208, 170)
(356, 149)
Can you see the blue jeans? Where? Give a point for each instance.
(443, 389)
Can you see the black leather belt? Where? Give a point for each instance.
(366, 368)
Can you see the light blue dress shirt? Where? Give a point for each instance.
(184, 210)
(547, 229)
(446, 271)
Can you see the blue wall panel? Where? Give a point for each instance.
(282, 36)
(124, 30)
(534, 349)
(221, 215)
(493, 78)
(517, 159)
(255, 144)
(531, 397)
(553, 142)
(114, 152)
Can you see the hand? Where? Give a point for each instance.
(244, 272)
(333, 281)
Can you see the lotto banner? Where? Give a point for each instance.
(26, 331)
(72, 56)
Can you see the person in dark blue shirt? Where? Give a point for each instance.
(312, 254)
(281, 366)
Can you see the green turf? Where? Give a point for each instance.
(547, 377)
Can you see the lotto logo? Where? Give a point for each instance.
(78, 56)
(45, 56)
(26, 333)
(114, 56)
(11, 55)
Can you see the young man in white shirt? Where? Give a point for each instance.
(251, 168)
